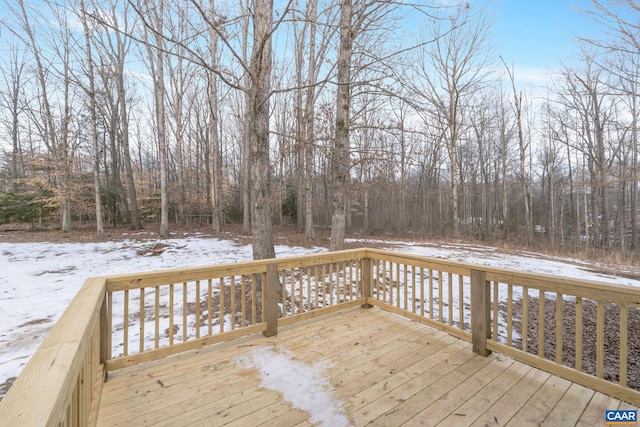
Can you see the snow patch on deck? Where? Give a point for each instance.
(304, 386)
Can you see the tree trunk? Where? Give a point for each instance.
(260, 91)
(94, 126)
(159, 89)
(215, 159)
(247, 132)
(309, 112)
(340, 155)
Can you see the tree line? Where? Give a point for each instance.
(357, 115)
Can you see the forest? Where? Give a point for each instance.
(358, 116)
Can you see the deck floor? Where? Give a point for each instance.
(377, 368)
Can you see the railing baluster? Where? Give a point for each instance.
(254, 283)
(377, 264)
(292, 291)
(332, 280)
(509, 314)
(389, 287)
(414, 289)
(430, 293)
(392, 285)
(109, 331)
(356, 279)
(406, 288)
(339, 281)
(243, 290)
(197, 309)
(440, 302)
(541, 323)
(222, 304)
(348, 284)
(317, 285)
(397, 284)
(142, 317)
(300, 291)
(461, 301)
(126, 324)
(496, 306)
(525, 318)
(156, 339)
(559, 302)
(233, 303)
(623, 345)
(308, 273)
(450, 298)
(323, 272)
(171, 296)
(578, 334)
(599, 338)
(263, 290)
(184, 312)
(421, 291)
(295, 292)
(210, 306)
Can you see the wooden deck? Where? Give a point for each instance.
(380, 368)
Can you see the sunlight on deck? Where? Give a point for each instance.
(374, 366)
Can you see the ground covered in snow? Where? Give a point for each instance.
(40, 273)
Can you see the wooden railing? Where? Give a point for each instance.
(122, 320)
(152, 315)
(577, 329)
(62, 383)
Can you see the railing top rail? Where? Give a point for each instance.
(160, 277)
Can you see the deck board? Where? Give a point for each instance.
(384, 369)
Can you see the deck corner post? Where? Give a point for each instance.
(480, 313)
(365, 265)
(271, 301)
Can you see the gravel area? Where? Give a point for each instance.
(589, 336)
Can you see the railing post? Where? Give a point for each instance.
(480, 313)
(271, 301)
(365, 274)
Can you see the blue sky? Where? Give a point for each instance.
(539, 33)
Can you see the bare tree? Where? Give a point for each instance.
(13, 75)
(522, 150)
(340, 151)
(155, 51)
(584, 92)
(113, 22)
(619, 19)
(215, 154)
(55, 137)
(453, 68)
(94, 124)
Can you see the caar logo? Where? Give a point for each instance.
(621, 417)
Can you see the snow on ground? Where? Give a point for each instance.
(38, 280)
(305, 387)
